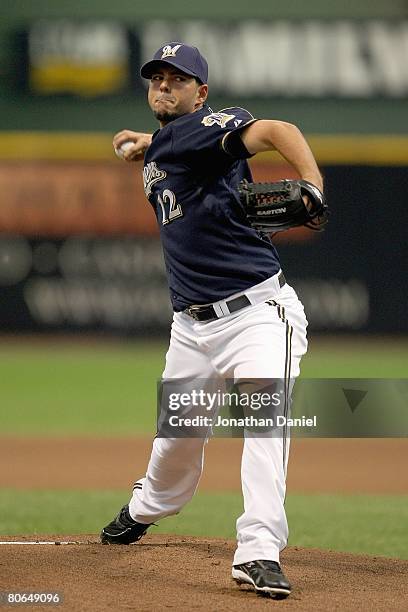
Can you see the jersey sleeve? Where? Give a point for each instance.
(204, 139)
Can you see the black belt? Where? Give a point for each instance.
(207, 312)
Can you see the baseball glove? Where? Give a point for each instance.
(274, 207)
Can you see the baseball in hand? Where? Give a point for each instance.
(125, 146)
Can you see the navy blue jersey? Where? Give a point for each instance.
(210, 250)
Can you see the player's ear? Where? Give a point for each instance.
(202, 93)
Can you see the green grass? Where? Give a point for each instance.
(375, 525)
(75, 389)
(63, 389)
(359, 357)
(110, 389)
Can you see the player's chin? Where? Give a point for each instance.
(166, 116)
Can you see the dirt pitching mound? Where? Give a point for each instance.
(185, 573)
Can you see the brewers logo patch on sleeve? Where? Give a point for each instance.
(220, 119)
(200, 135)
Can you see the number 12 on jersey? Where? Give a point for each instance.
(168, 198)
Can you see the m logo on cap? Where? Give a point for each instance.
(169, 51)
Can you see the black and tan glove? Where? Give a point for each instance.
(274, 207)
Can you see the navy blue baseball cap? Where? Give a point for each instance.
(185, 58)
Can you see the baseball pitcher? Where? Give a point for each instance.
(235, 315)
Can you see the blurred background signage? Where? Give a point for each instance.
(296, 58)
(89, 58)
(79, 246)
(310, 58)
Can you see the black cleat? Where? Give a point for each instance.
(123, 529)
(265, 576)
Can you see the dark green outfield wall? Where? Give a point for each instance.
(20, 10)
(328, 117)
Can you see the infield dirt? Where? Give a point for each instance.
(166, 572)
(176, 573)
(316, 465)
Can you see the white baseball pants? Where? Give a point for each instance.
(265, 340)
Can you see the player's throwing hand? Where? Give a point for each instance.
(131, 146)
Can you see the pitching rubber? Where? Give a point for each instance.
(37, 543)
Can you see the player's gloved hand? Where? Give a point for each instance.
(278, 206)
(131, 146)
